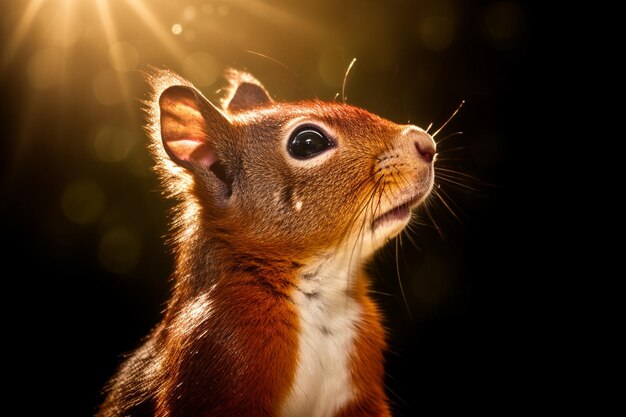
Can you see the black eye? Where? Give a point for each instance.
(308, 142)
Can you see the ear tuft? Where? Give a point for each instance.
(244, 93)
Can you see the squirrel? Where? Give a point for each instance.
(280, 207)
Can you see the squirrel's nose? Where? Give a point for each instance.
(424, 144)
(426, 149)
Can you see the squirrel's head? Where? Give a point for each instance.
(292, 178)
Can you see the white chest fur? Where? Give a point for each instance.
(328, 320)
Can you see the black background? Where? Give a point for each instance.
(460, 336)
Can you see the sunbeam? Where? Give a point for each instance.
(157, 28)
(279, 16)
(108, 25)
(23, 27)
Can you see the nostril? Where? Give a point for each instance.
(425, 149)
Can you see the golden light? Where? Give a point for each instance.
(177, 29)
(124, 56)
(45, 68)
(156, 27)
(82, 202)
(23, 27)
(201, 68)
(61, 23)
(102, 43)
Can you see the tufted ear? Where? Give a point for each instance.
(190, 127)
(245, 92)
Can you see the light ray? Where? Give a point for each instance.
(279, 17)
(109, 28)
(23, 27)
(67, 27)
(151, 21)
(110, 32)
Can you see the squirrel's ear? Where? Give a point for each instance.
(245, 92)
(190, 126)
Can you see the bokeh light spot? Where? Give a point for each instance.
(201, 68)
(107, 88)
(113, 144)
(82, 201)
(119, 250)
(189, 13)
(177, 29)
(222, 10)
(123, 56)
(436, 32)
(503, 24)
(45, 68)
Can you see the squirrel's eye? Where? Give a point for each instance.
(308, 142)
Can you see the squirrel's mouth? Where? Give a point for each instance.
(399, 213)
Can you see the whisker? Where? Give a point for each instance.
(432, 219)
(459, 173)
(345, 80)
(451, 135)
(286, 67)
(358, 214)
(460, 184)
(429, 126)
(399, 177)
(359, 238)
(406, 304)
(410, 238)
(364, 204)
(442, 190)
(449, 118)
(445, 203)
(382, 293)
(396, 395)
(365, 200)
(446, 159)
(456, 149)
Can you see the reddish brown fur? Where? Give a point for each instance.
(228, 342)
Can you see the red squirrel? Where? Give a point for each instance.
(280, 207)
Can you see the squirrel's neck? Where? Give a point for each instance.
(205, 255)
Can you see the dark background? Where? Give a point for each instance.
(83, 223)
